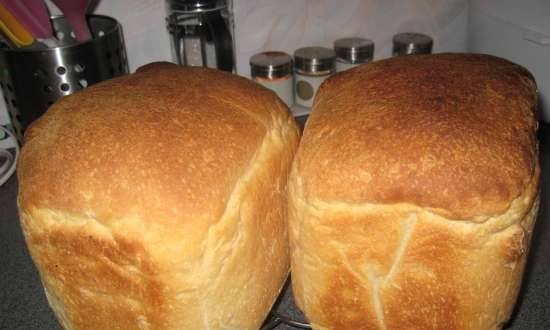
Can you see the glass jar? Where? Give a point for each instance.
(351, 52)
(273, 70)
(201, 33)
(312, 65)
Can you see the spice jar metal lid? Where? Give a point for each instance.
(271, 65)
(354, 50)
(193, 6)
(314, 60)
(411, 43)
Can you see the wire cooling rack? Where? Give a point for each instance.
(285, 315)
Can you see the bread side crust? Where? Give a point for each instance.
(401, 266)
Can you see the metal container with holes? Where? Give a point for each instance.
(33, 78)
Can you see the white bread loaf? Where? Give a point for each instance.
(157, 201)
(414, 194)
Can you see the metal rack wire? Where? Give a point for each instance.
(285, 315)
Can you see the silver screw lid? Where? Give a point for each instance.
(270, 64)
(193, 6)
(314, 60)
(354, 50)
(411, 43)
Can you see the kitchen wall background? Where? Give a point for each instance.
(491, 26)
(290, 24)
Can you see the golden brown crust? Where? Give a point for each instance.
(399, 130)
(136, 129)
(413, 195)
(156, 201)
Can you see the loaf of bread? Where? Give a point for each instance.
(157, 201)
(414, 193)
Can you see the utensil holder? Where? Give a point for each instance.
(33, 78)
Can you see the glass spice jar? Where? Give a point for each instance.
(273, 70)
(312, 65)
(351, 52)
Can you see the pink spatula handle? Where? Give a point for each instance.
(75, 13)
(80, 27)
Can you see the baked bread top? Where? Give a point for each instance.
(455, 133)
(116, 149)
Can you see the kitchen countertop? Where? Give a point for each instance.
(23, 305)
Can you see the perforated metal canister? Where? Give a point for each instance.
(33, 78)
